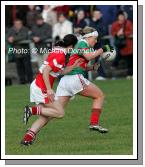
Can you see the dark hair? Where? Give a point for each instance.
(62, 14)
(97, 10)
(68, 40)
(17, 19)
(79, 10)
(39, 17)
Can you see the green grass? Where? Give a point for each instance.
(71, 135)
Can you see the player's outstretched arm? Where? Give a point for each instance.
(70, 68)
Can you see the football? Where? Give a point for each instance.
(109, 56)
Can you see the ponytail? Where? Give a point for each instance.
(68, 40)
(60, 43)
(80, 31)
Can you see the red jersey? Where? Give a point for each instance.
(80, 48)
(56, 60)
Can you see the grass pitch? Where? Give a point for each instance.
(70, 135)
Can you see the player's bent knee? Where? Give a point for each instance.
(100, 96)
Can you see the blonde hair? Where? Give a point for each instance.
(86, 30)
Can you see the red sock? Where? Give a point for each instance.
(95, 115)
(36, 110)
(29, 136)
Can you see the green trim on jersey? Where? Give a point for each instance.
(81, 47)
(78, 70)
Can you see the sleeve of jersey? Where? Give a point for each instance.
(56, 64)
(83, 48)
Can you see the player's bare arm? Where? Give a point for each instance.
(50, 91)
(70, 68)
(92, 55)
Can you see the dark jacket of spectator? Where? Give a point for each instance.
(20, 35)
(99, 26)
(18, 38)
(31, 16)
(80, 23)
(43, 32)
(109, 14)
(15, 37)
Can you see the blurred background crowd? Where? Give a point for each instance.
(32, 26)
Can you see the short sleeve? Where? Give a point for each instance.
(56, 62)
(81, 48)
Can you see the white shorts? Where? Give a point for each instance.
(70, 85)
(36, 94)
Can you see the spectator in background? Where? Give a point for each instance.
(61, 9)
(80, 21)
(41, 32)
(122, 30)
(109, 15)
(49, 15)
(97, 23)
(85, 8)
(62, 28)
(75, 8)
(31, 16)
(129, 10)
(15, 35)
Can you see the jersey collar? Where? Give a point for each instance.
(85, 41)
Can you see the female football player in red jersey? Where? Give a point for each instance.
(75, 82)
(41, 91)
